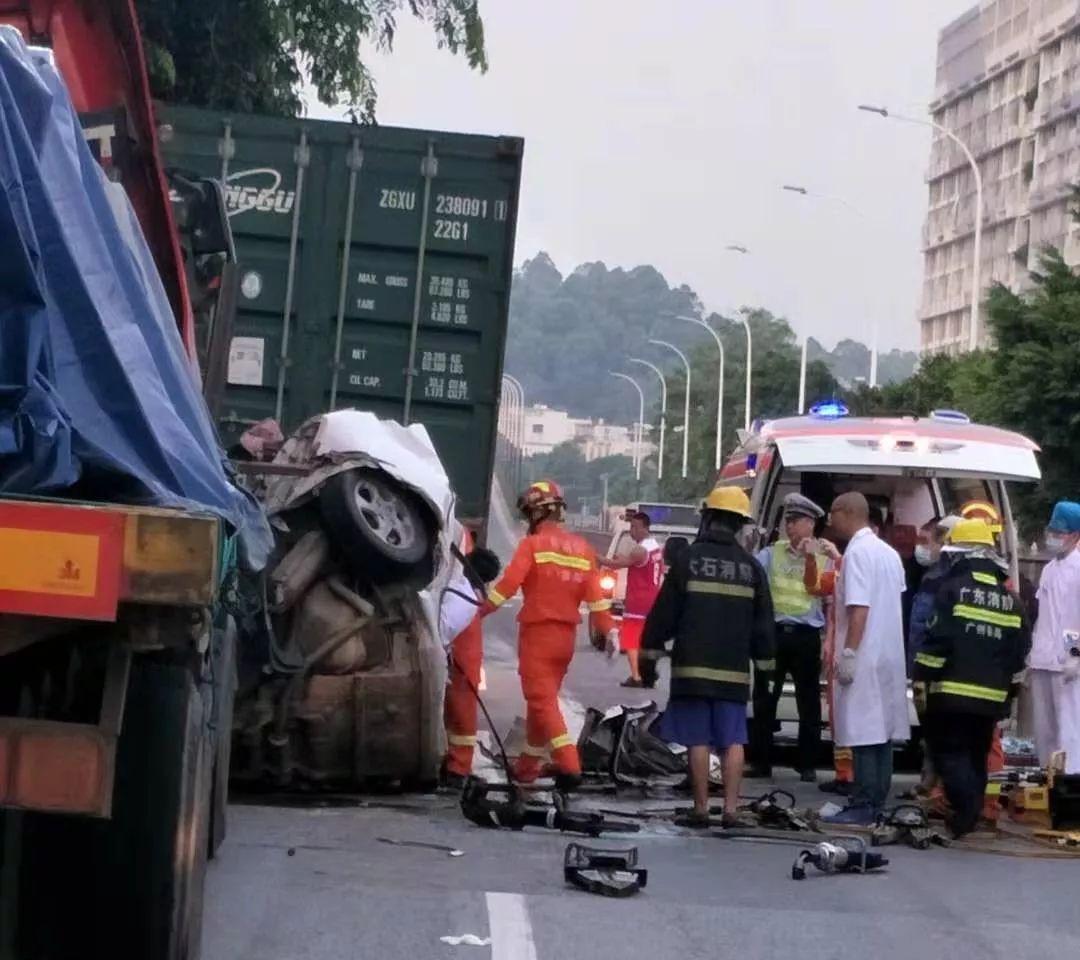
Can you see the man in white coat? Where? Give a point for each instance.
(870, 671)
(1054, 662)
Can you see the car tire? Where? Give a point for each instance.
(384, 531)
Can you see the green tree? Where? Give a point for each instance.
(583, 481)
(1035, 373)
(253, 55)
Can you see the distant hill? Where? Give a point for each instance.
(851, 360)
(566, 332)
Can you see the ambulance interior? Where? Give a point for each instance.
(899, 505)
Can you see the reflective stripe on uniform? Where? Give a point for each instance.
(530, 751)
(993, 790)
(966, 612)
(495, 598)
(599, 606)
(927, 660)
(970, 690)
(767, 666)
(563, 560)
(708, 673)
(988, 578)
(723, 589)
(562, 740)
(460, 740)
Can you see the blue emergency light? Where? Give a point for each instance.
(829, 410)
(950, 416)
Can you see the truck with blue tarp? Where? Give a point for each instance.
(122, 528)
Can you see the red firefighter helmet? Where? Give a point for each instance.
(538, 496)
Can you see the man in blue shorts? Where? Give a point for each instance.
(716, 605)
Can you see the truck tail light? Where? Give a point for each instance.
(55, 767)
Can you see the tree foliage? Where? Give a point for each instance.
(567, 333)
(1027, 382)
(583, 482)
(253, 55)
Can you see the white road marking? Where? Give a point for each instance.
(468, 940)
(510, 927)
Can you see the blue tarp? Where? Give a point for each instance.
(97, 397)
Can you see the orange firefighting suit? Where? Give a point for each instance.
(460, 707)
(556, 572)
(824, 585)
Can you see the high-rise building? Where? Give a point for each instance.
(1008, 85)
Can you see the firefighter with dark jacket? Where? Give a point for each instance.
(968, 668)
(716, 606)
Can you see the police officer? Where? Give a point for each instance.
(800, 618)
(967, 669)
(715, 604)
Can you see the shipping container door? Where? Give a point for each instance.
(276, 193)
(436, 210)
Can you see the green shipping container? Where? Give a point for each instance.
(375, 267)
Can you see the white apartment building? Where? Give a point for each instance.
(1008, 85)
(545, 429)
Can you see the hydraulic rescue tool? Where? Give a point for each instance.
(610, 873)
(512, 811)
(907, 823)
(831, 857)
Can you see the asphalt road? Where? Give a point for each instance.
(319, 884)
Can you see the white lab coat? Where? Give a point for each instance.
(874, 708)
(1055, 704)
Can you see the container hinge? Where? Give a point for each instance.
(227, 145)
(429, 166)
(354, 160)
(302, 154)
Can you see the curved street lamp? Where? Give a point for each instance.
(869, 222)
(640, 419)
(739, 248)
(697, 321)
(663, 411)
(686, 405)
(976, 281)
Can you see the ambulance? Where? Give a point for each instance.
(910, 468)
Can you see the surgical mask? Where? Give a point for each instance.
(923, 555)
(1057, 544)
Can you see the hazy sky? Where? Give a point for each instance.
(661, 132)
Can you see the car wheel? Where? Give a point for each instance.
(384, 530)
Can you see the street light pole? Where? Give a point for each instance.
(640, 420)
(802, 376)
(869, 222)
(686, 404)
(697, 321)
(976, 280)
(517, 425)
(739, 248)
(663, 411)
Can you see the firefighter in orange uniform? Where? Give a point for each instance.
(463, 635)
(556, 571)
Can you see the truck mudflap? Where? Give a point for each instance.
(65, 767)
